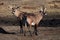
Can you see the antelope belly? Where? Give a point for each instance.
(33, 23)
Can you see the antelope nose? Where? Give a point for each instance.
(12, 12)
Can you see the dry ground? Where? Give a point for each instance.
(49, 28)
(44, 33)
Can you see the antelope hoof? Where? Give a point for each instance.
(24, 34)
(30, 33)
(36, 34)
(21, 31)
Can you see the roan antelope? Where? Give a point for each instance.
(30, 18)
(34, 19)
(19, 15)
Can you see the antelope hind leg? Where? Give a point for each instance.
(35, 30)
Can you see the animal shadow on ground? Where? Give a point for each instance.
(44, 23)
(5, 32)
(50, 23)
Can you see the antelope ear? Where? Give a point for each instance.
(17, 7)
(41, 9)
(44, 9)
(11, 7)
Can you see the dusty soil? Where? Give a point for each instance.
(47, 30)
(44, 33)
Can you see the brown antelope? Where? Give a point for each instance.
(30, 18)
(34, 19)
(19, 15)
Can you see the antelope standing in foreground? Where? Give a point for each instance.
(34, 19)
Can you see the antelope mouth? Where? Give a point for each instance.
(45, 13)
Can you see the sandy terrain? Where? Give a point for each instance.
(49, 27)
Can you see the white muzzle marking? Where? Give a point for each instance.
(45, 14)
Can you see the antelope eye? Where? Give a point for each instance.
(13, 10)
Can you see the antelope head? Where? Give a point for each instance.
(15, 11)
(43, 10)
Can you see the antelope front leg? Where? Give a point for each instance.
(35, 30)
(25, 29)
(21, 29)
(30, 28)
(21, 26)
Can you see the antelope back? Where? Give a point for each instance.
(34, 18)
